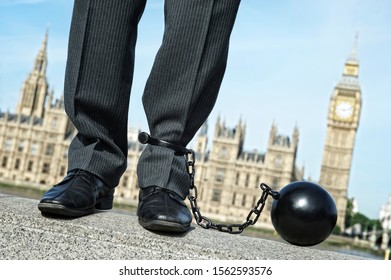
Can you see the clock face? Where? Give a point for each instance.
(344, 110)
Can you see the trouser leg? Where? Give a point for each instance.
(98, 81)
(184, 83)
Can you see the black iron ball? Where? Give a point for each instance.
(305, 214)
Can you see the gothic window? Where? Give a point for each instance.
(333, 159)
(125, 181)
(216, 195)
(21, 147)
(350, 70)
(45, 168)
(244, 200)
(233, 198)
(247, 180)
(220, 172)
(54, 123)
(278, 161)
(223, 152)
(337, 159)
(26, 97)
(62, 171)
(49, 149)
(4, 162)
(30, 165)
(343, 139)
(8, 144)
(17, 164)
(65, 154)
(237, 178)
(34, 149)
(339, 138)
(333, 138)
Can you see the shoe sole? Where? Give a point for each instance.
(61, 210)
(158, 225)
(105, 203)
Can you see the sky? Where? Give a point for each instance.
(285, 59)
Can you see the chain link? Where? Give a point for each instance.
(206, 223)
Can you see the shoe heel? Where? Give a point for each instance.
(105, 203)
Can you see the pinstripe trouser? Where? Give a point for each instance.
(179, 94)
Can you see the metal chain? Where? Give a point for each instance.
(206, 223)
(202, 221)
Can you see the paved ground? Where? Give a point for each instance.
(27, 235)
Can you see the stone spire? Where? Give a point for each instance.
(351, 64)
(41, 59)
(204, 129)
(353, 54)
(349, 79)
(35, 88)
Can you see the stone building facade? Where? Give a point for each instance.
(34, 141)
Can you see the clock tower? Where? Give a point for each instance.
(343, 121)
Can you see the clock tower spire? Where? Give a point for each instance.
(342, 124)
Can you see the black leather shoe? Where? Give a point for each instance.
(162, 210)
(78, 194)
